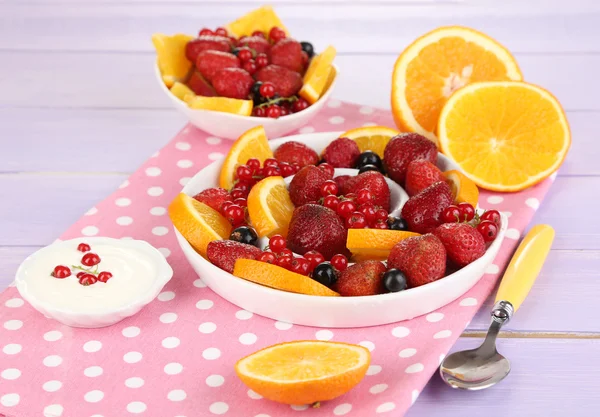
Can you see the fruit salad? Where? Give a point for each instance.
(250, 67)
(327, 223)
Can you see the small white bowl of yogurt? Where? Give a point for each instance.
(137, 274)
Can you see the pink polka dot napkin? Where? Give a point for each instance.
(176, 357)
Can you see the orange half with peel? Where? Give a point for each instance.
(463, 189)
(371, 138)
(270, 207)
(376, 244)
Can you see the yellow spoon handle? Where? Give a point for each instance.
(525, 265)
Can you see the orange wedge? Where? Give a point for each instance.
(198, 223)
(263, 19)
(270, 207)
(437, 64)
(279, 278)
(173, 64)
(505, 136)
(222, 104)
(371, 138)
(182, 92)
(317, 75)
(252, 144)
(304, 372)
(374, 244)
(463, 189)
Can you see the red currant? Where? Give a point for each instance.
(299, 105)
(61, 271)
(284, 110)
(273, 111)
(329, 187)
(272, 172)
(488, 230)
(253, 164)
(467, 212)
(206, 32)
(225, 205)
(268, 257)
(259, 112)
(286, 169)
(314, 257)
(221, 32)
(296, 167)
(79, 274)
(235, 214)
(267, 90)
(233, 40)
(300, 266)
(493, 216)
(259, 33)
(83, 247)
(346, 208)
(331, 202)
(242, 202)
(356, 220)
(277, 243)
(286, 252)
(369, 211)
(379, 224)
(104, 276)
(276, 34)
(451, 214)
(339, 262)
(381, 215)
(87, 279)
(244, 173)
(284, 262)
(245, 54)
(237, 193)
(243, 185)
(250, 66)
(260, 173)
(271, 162)
(90, 259)
(330, 170)
(364, 196)
(261, 60)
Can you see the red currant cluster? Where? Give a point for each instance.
(249, 62)
(86, 276)
(487, 224)
(275, 34)
(269, 105)
(357, 210)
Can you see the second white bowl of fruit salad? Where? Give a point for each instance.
(333, 311)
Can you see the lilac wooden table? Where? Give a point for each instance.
(76, 83)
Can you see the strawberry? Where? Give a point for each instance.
(363, 278)
(420, 174)
(211, 62)
(423, 211)
(314, 227)
(421, 258)
(288, 53)
(463, 242)
(213, 197)
(206, 43)
(200, 86)
(342, 183)
(224, 253)
(374, 182)
(342, 153)
(258, 43)
(233, 83)
(296, 153)
(404, 148)
(306, 185)
(286, 82)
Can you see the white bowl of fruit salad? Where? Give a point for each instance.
(92, 282)
(335, 246)
(246, 74)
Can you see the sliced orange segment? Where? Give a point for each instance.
(198, 223)
(304, 372)
(317, 75)
(463, 189)
(371, 138)
(270, 207)
(182, 92)
(505, 136)
(263, 19)
(437, 64)
(279, 278)
(374, 244)
(252, 144)
(173, 64)
(222, 104)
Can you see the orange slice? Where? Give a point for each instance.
(173, 64)
(270, 207)
(279, 278)
(182, 92)
(304, 372)
(222, 104)
(371, 138)
(198, 223)
(252, 144)
(505, 136)
(263, 19)
(317, 75)
(438, 63)
(463, 189)
(374, 244)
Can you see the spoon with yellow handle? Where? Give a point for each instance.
(483, 367)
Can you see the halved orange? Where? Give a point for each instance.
(505, 136)
(279, 278)
(304, 372)
(252, 144)
(374, 244)
(317, 75)
(198, 223)
(222, 104)
(173, 64)
(263, 19)
(270, 207)
(463, 189)
(182, 92)
(437, 64)
(371, 138)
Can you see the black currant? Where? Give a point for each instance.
(308, 48)
(325, 274)
(236, 51)
(394, 280)
(255, 90)
(397, 223)
(368, 158)
(244, 234)
(366, 168)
